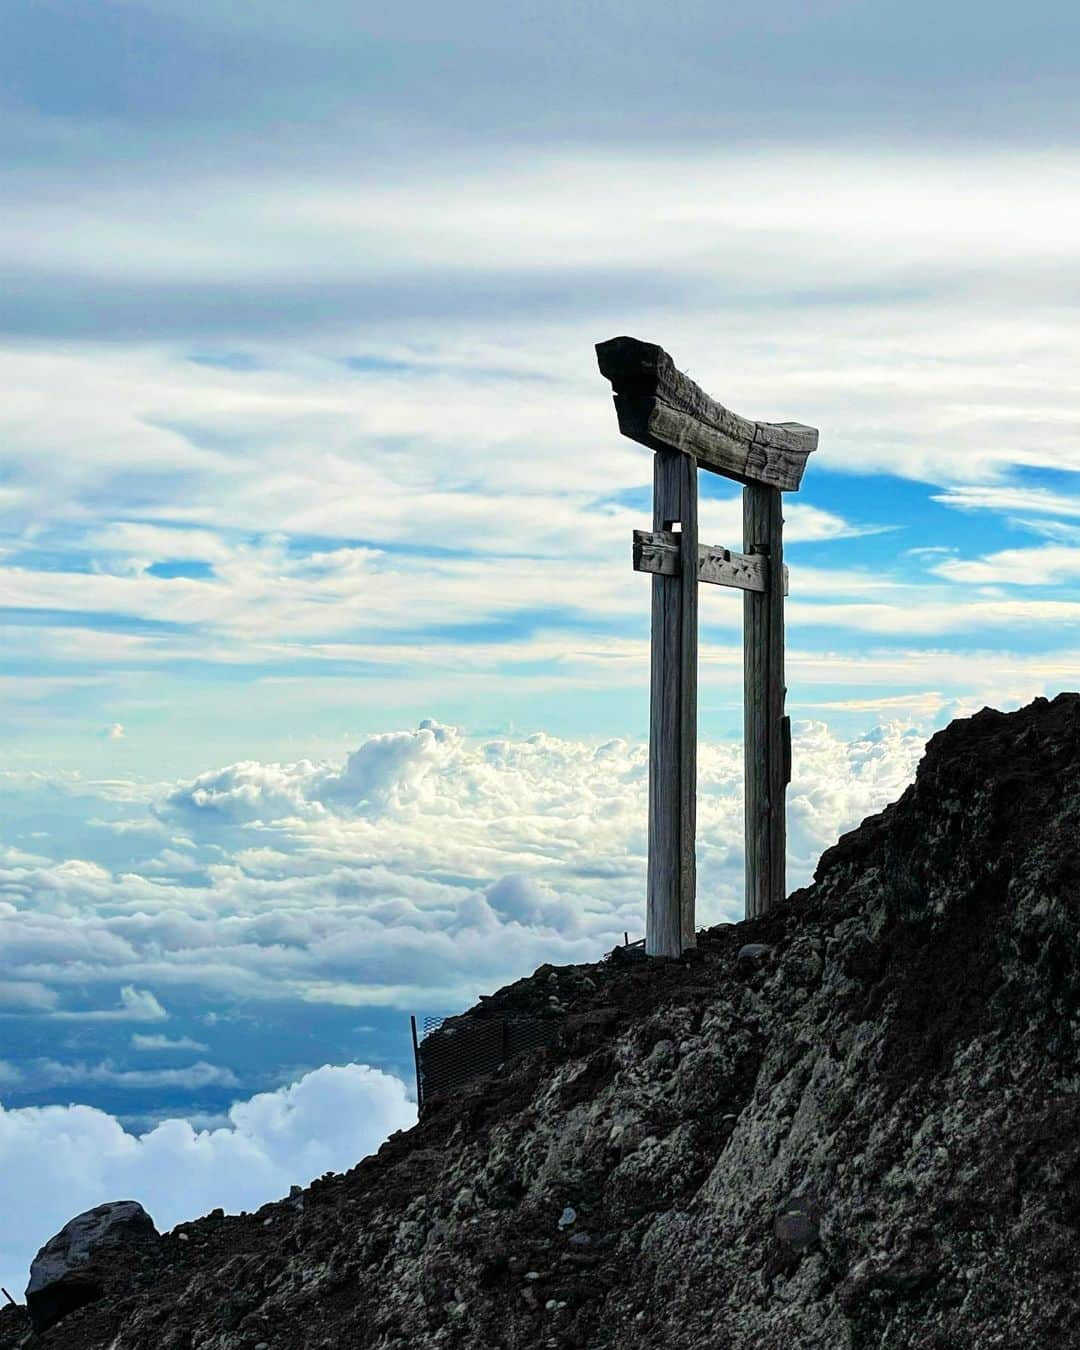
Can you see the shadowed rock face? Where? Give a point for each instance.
(867, 1135)
(87, 1257)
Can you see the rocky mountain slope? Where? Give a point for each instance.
(854, 1123)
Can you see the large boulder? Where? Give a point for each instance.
(87, 1258)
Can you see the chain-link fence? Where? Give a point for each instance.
(455, 1051)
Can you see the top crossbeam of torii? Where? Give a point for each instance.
(664, 409)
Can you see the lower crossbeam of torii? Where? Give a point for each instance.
(664, 409)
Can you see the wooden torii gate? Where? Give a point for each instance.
(664, 409)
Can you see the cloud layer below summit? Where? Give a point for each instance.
(425, 868)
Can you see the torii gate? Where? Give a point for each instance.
(664, 409)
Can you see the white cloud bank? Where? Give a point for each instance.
(57, 1161)
(426, 868)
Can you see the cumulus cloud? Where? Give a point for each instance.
(388, 771)
(327, 1121)
(247, 791)
(392, 769)
(425, 868)
(522, 899)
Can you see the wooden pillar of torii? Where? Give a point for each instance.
(665, 410)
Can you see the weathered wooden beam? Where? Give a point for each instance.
(664, 409)
(766, 730)
(659, 552)
(670, 920)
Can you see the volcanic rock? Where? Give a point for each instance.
(87, 1257)
(869, 1140)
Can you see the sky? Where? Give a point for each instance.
(324, 687)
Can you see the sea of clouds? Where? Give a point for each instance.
(427, 862)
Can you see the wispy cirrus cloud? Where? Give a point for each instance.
(27, 996)
(152, 1043)
(136, 1005)
(1047, 566)
(49, 1073)
(1012, 499)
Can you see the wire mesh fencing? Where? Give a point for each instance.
(453, 1052)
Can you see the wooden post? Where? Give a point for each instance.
(669, 928)
(766, 730)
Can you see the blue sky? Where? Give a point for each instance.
(324, 685)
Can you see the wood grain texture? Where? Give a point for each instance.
(688, 471)
(766, 733)
(670, 922)
(658, 552)
(661, 407)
